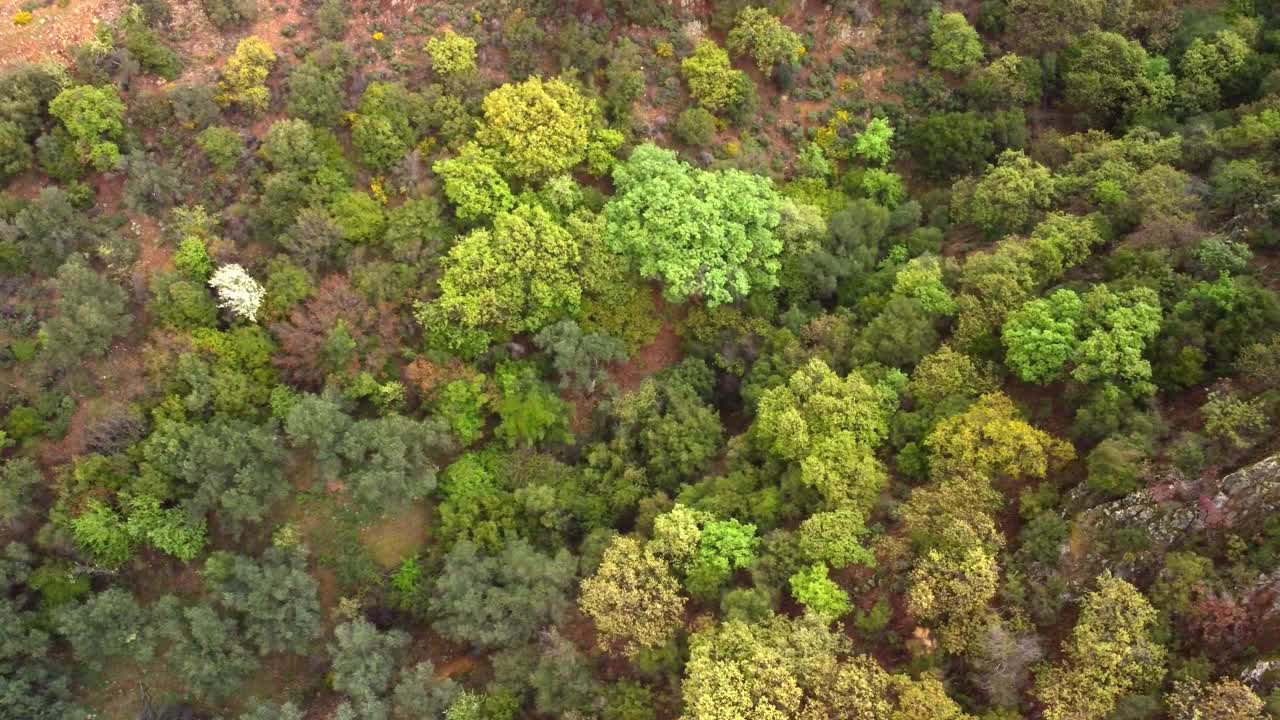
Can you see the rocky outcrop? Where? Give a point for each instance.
(1247, 497)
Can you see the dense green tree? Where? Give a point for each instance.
(1207, 66)
(222, 147)
(92, 313)
(1116, 327)
(705, 234)
(835, 538)
(818, 593)
(829, 425)
(314, 94)
(951, 143)
(474, 185)
(873, 144)
(1008, 198)
(954, 45)
(92, 117)
(384, 128)
(206, 650)
(364, 660)
(1041, 336)
(1110, 78)
(503, 600)
(274, 597)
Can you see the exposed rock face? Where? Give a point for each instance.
(1171, 511)
(1247, 497)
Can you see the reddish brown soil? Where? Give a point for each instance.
(55, 30)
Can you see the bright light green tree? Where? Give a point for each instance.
(705, 234)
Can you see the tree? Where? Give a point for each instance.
(1009, 80)
(1117, 326)
(1109, 78)
(274, 597)
(537, 129)
(92, 312)
(665, 429)
(633, 598)
(206, 653)
(991, 440)
(315, 94)
(1044, 24)
(18, 478)
(335, 331)
(1207, 66)
(955, 588)
(15, 151)
(713, 82)
(696, 126)
(225, 14)
(723, 547)
(451, 54)
(245, 74)
(237, 291)
(818, 593)
(874, 143)
(1040, 336)
(92, 117)
(109, 625)
(956, 47)
(579, 358)
(363, 661)
(501, 601)
(519, 276)
(921, 280)
(834, 537)
(229, 465)
(420, 692)
(474, 185)
(1226, 699)
(222, 147)
(829, 425)
(385, 124)
(947, 144)
(773, 669)
(388, 460)
(707, 234)
(1008, 198)
(762, 35)
(1111, 652)
(358, 217)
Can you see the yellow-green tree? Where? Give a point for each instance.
(633, 598)
(538, 129)
(1111, 652)
(245, 75)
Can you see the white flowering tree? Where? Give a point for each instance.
(237, 291)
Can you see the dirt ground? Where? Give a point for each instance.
(54, 31)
